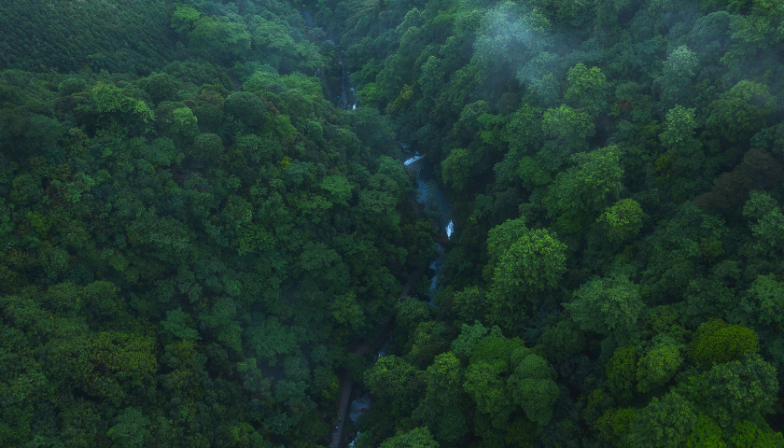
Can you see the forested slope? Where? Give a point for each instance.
(193, 237)
(616, 172)
(188, 251)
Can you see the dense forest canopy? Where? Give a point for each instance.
(197, 235)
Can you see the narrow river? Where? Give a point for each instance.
(431, 201)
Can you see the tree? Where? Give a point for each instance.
(416, 438)
(177, 323)
(717, 342)
(748, 435)
(569, 127)
(489, 392)
(741, 110)
(456, 169)
(220, 37)
(606, 305)
(442, 408)
(563, 340)
(663, 423)
(531, 265)
(621, 370)
(503, 236)
(623, 220)
(131, 429)
(588, 88)
(397, 385)
(738, 390)
(509, 35)
(247, 108)
(532, 387)
(470, 304)
(581, 192)
(207, 148)
(183, 18)
(657, 366)
(679, 70)
(768, 225)
(766, 299)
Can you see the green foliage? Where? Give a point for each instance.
(219, 37)
(469, 304)
(206, 147)
(416, 438)
(766, 295)
(615, 423)
(606, 305)
(680, 127)
(488, 391)
(247, 108)
(177, 324)
(204, 274)
(440, 411)
(657, 366)
(67, 37)
(717, 342)
(563, 340)
(621, 371)
(532, 264)
(735, 391)
(71, 86)
(623, 220)
(741, 110)
(679, 71)
(581, 192)
(131, 429)
(533, 388)
(569, 126)
(747, 434)
(456, 169)
(470, 335)
(665, 423)
(397, 385)
(108, 99)
(587, 87)
(183, 18)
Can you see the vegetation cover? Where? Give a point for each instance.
(194, 239)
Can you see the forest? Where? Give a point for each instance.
(207, 229)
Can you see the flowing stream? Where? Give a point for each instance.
(435, 205)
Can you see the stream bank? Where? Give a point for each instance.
(431, 201)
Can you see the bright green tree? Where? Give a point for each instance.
(580, 193)
(623, 220)
(741, 110)
(588, 88)
(663, 423)
(456, 169)
(607, 305)
(532, 387)
(416, 438)
(658, 366)
(716, 342)
(531, 265)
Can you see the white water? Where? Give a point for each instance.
(359, 406)
(412, 160)
(449, 229)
